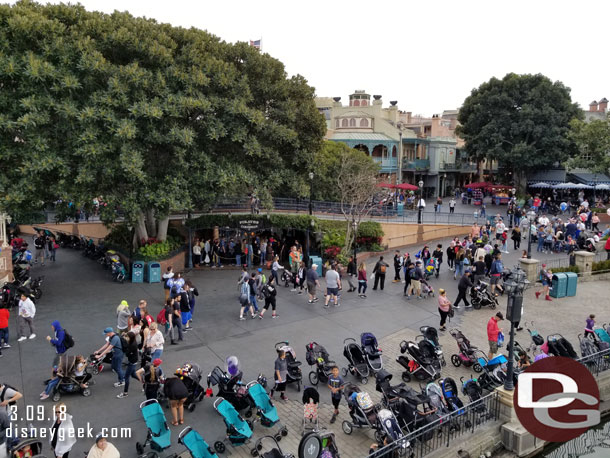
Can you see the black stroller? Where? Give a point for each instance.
(357, 365)
(28, 447)
(273, 448)
(430, 334)
(362, 410)
(68, 382)
(294, 366)
(316, 355)
(371, 351)
(450, 394)
(230, 387)
(191, 375)
(559, 346)
(472, 389)
(424, 363)
(481, 297)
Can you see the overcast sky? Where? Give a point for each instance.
(428, 55)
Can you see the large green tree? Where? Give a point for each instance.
(153, 118)
(593, 142)
(522, 121)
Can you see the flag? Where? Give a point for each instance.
(255, 44)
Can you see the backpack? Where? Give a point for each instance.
(382, 268)
(68, 340)
(161, 317)
(124, 344)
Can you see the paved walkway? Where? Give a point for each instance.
(81, 295)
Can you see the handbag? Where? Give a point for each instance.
(207, 259)
(451, 312)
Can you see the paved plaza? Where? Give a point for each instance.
(81, 295)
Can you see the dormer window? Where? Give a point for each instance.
(352, 122)
(364, 123)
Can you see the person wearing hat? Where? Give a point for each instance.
(492, 333)
(113, 342)
(546, 277)
(464, 285)
(151, 376)
(103, 449)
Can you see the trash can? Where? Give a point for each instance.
(400, 209)
(559, 285)
(137, 272)
(317, 260)
(154, 272)
(572, 279)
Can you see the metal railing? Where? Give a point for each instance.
(597, 362)
(444, 430)
(417, 164)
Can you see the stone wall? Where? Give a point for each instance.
(398, 234)
(94, 230)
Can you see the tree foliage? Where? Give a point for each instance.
(152, 117)
(593, 142)
(522, 121)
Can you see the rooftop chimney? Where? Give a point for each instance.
(393, 102)
(593, 106)
(603, 105)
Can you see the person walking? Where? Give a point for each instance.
(113, 344)
(495, 273)
(4, 317)
(252, 283)
(362, 280)
(132, 361)
(352, 274)
(451, 256)
(151, 377)
(460, 255)
(103, 449)
(27, 312)
(452, 203)
(546, 277)
(62, 430)
(397, 266)
(275, 269)
(58, 341)
(437, 254)
(312, 283)
(335, 385)
(279, 374)
(379, 271)
(444, 307)
(168, 282)
(52, 248)
(463, 286)
(493, 330)
(479, 269)
(244, 300)
(333, 284)
(516, 237)
(40, 242)
(269, 292)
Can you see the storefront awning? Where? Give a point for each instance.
(589, 178)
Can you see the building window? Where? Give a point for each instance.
(356, 103)
(364, 103)
(337, 123)
(364, 123)
(352, 122)
(344, 123)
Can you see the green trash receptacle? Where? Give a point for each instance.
(559, 285)
(318, 261)
(137, 272)
(572, 283)
(400, 209)
(154, 272)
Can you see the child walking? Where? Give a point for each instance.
(335, 384)
(590, 324)
(362, 280)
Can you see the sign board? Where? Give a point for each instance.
(249, 224)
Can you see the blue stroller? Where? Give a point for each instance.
(159, 434)
(197, 447)
(371, 351)
(239, 431)
(265, 410)
(493, 374)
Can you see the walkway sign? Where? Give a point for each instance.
(249, 225)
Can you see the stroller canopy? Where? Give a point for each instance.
(195, 444)
(367, 339)
(311, 394)
(156, 423)
(261, 400)
(232, 418)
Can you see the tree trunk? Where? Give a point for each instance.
(162, 224)
(520, 182)
(141, 231)
(151, 223)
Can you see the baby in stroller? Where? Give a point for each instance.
(362, 410)
(70, 377)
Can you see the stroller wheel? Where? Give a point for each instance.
(313, 378)
(347, 427)
(219, 446)
(299, 387)
(364, 380)
(284, 431)
(56, 396)
(443, 362)
(344, 371)
(278, 437)
(191, 407)
(248, 414)
(406, 377)
(86, 392)
(468, 424)
(477, 368)
(95, 370)
(250, 424)
(476, 305)
(139, 448)
(254, 452)
(493, 305)
(456, 361)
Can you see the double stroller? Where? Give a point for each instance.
(230, 386)
(481, 297)
(294, 370)
(493, 374)
(357, 362)
(316, 355)
(467, 352)
(559, 346)
(195, 444)
(362, 410)
(238, 430)
(274, 452)
(68, 381)
(266, 412)
(191, 375)
(423, 364)
(159, 434)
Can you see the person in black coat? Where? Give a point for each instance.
(463, 286)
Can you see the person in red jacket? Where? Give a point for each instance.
(607, 248)
(4, 316)
(492, 333)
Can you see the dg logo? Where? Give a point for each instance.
(557, 399)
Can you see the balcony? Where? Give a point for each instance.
(417, 164)
(387, 164)
(464, 167)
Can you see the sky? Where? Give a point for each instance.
(427, 55)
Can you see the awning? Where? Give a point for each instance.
(589, 178)
(540, 185)
(551, 176)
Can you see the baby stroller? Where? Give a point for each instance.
(265, 410)
(587, 346)
(357, 365)
(321, 441)
(362, 410)
(467, 354)
(275, 452)
(450, 394)
(435, 394)
(431, 268)
(191, 374)
(311, 399)
(424, 365)
(68, 383)
(559, 346)
(602, 337)
(390, 430)
(317, 355)
(28, 447)
(371, 351)
(472, 389)
(230, 386)
(286, 277)
(430, 334)
(426, 289)
(294, 370)
(194, 443)
(537, 339)
(493, 374)
(239, 431)
(159, 435)
(481, 297)
(118, 271)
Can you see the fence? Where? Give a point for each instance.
(597, 362)
(444, 430)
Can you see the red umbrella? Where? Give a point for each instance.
(386, 185)
(407, 187)
(481, 184)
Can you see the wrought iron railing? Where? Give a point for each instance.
(445, 430)
(597, 362)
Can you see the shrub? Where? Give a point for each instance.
(332, 252)
(600, 266)
(574, 269)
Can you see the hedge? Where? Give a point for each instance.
(600, 266)
(574, 269)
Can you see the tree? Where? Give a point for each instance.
(522, 121)
(357, 180)
(593, 142)
(151, 117)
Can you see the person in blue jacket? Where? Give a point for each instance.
(58, 341)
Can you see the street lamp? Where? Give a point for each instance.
(531, 217)
(515, 286)
(419, 203)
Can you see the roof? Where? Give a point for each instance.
(361, 136)
(589, 178)
(354, 114)
(551, 176)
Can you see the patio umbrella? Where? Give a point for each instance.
(540, 185)
(602, 186)
(565, 186)
(407, 187)
(480, 184)
(386, 185)
(582, 186)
